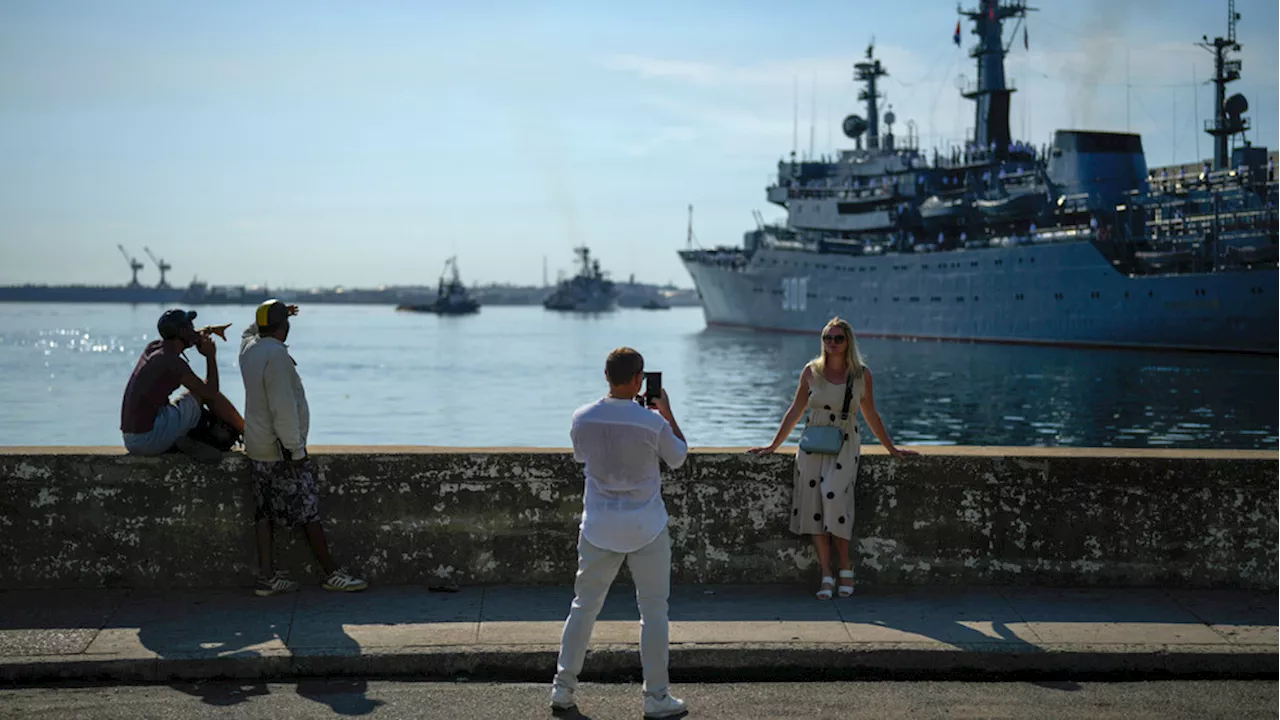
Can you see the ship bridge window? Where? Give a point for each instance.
(1019, 296)
(959, 298)
(1095, 295)
(914, 299)
(999, 262)
(1057, 296)
(973, 263)
(935, 299)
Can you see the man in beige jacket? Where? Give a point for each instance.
(276, 421)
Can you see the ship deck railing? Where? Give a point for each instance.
(1184, 182)
(1253, 219)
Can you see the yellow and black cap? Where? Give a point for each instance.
(271, 313)
(173, 322)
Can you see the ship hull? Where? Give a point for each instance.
(599, 305)
(1055, 294)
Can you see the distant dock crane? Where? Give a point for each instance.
(160, 263)
(134, 265)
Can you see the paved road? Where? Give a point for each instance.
(385, 699)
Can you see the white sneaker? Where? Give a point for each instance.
(563, 701)
(277, 583)
(663, 708)
(343, 581)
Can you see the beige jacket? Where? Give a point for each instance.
(275, 406)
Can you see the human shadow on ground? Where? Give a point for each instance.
(228, 625)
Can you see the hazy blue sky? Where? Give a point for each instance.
(361, 143)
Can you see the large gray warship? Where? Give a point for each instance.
(1073, 244)
(589, 291)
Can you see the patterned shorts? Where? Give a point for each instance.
(285, 493)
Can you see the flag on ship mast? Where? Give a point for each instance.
(1026, 44)
(956, 37)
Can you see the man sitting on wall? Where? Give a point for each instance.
(150, 422)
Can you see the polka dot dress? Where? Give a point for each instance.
(822, 501)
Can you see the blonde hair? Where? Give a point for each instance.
(853, 357)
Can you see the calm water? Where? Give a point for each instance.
(513, 376)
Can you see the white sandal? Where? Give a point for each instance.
(828, 585)
(846, 590)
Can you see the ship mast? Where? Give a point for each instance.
(868, 72)
(991, 93)
(1226, 121)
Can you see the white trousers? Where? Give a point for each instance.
(651, 569)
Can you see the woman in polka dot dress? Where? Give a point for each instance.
(822, 500)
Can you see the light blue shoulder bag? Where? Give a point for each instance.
(828, 439)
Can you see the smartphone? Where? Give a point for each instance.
(652, 387)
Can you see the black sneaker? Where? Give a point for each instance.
(198, 450)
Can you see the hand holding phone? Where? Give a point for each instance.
(652, 388)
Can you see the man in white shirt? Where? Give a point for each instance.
(277, 418)
(623, 518)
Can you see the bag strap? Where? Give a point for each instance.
(848, 397)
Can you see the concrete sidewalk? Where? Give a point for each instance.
(743, 633)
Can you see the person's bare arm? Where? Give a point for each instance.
(872, 415)
(196, 386)
(672, 446)
(209, 395)
(209, 350)
(663, 406)
(791, 417)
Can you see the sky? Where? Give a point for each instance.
(309, 144)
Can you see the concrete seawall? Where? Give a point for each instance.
(92, 517)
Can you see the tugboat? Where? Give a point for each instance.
(451, 297)
(655, 304)
(588, 291)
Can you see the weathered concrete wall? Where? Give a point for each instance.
(90, 517)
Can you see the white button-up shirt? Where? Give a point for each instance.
(276, 414)
(621, 442)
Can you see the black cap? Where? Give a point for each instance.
(173, 322)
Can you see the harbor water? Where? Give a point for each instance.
(512, 376)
